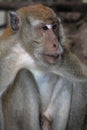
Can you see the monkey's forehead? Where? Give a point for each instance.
(38, 11)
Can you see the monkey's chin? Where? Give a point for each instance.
(51, 59)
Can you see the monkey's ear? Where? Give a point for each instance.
(15, 21)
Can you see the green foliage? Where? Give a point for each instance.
(85, 1)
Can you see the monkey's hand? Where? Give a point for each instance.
(45, 123)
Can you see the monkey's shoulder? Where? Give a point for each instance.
(7, 33)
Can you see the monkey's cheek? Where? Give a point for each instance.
(51, 59)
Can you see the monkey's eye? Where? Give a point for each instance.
(55, 27)
(45, 27)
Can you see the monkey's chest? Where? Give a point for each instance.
(46, 84)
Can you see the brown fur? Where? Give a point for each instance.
(37, 11)
(7, 33)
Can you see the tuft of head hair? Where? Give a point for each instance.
(37, 11)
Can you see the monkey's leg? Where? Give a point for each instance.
(21, 103)
(49, 114)
(62, 105)
(57, 113)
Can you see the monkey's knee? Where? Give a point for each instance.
(24, 74)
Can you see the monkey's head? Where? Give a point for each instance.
(41, 32)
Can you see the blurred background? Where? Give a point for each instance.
(74, 18)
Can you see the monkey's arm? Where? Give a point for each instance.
(72, 71)
(71, 68)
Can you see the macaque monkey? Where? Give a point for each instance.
(42, 84)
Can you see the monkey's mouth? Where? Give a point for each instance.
(51, 58)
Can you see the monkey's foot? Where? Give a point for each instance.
(46, 123)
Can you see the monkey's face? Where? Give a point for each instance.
(40, 33)
(46, 41)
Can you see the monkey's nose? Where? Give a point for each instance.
(56, 47)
